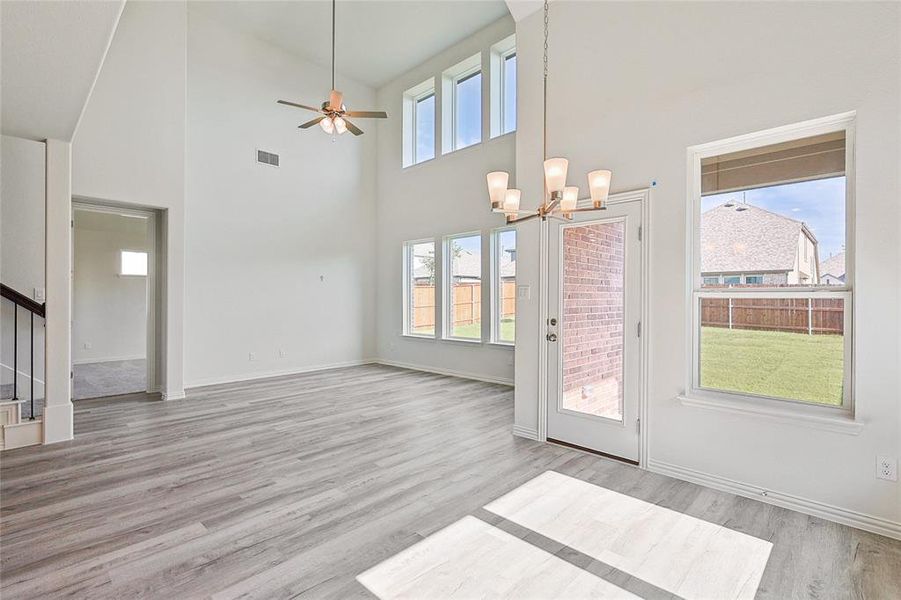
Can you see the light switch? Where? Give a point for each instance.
(523, 292)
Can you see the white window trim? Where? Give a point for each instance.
(411, 100)
(500, 52)
(406, 330)
(134, 251)
(450, 78)
(495, 337)
(791, 411)
(447, 300)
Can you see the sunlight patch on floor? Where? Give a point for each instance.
(472, 559)
(683, 555)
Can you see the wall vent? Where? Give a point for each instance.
(267, 158)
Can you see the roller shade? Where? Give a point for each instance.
(816, 157)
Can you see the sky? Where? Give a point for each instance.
(820, 204)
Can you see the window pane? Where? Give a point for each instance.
(789, 348)
(421, 302)
(593, 318)
(510, 93)
(425, 128)
(777, 211)
(468, 111)
(134, 263)
(506, 293)
(465, 317)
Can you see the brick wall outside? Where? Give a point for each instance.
(593, 317)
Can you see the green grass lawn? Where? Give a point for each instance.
(773, 363)
(474, 330)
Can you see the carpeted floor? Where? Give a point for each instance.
(94, 380)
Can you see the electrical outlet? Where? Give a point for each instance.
(887, 468)
(39, 294)
(251, 356)
(282, 353)
(87, 345)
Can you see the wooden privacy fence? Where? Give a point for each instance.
(467, 303)
(796, 315)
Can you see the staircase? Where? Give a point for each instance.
(20, 421)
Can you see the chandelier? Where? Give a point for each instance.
(560, 200)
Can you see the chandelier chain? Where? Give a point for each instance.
(544, 132)
(333, 44)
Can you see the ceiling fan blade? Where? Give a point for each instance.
(367, 114)
(298, 105)
(353, 128)
(310, 123)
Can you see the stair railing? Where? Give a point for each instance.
(34, 308)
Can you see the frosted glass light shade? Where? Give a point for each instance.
(555, 174)
(340, 125)
(599, 184)
(497, 187)
(511, 200)
(570, 198)
(327, 125)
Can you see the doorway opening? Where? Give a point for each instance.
(114, 300)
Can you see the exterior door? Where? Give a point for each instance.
(594, 309)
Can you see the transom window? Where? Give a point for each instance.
(503, 86)
(462, 104)
(769, 208)
(419, 123)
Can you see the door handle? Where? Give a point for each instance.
(552, 337)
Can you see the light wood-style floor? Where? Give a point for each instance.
(291, 487)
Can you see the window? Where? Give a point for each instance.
(766, 207)
(419, 123)
(133, 263)
(462, 105)
(503, 87)
(503, 311)
(463, 285)
(419, 289)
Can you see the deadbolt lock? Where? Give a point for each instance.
(553, 321)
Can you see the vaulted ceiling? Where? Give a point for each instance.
(51, 53)
(376, 40)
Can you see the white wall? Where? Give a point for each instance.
(703, 72)
(443, 196)
(277, 259)
(109, 310)
(22, 252)
(130, 148)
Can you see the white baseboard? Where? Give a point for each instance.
(461, 374)
(822, 510)
(86, 361)
(204, 382)
(525, 432)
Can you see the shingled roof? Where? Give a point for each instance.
(741, 238)
(834, 265)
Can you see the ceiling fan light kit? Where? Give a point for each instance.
(334, 114)
(560, 200)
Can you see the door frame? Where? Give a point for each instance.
(642, 196)
(152, 216)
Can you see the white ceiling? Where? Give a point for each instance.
(376, 40)
(51, 53)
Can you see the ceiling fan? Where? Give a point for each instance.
(334, 114)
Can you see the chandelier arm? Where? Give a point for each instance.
(518, 219)
(588, 209)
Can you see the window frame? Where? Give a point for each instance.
(500, 52)
(146, 254)
(415, 129)
(450, 79)
(496, 283)
(455, 83)
(407, 329)
(447, 300)
(695, 291)
(411, 99)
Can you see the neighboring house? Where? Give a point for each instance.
(832, 270)
(468, 268)
(744, 244)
